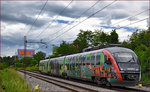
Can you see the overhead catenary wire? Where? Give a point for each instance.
(37, 17)
(54, 19)
(120, 27)
(130, 17)
(81, 21)
(75, 18)
(133, 23)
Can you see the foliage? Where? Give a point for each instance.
(63, 49)
(39, 56)
(139, 43)
(3, 65)
(34, 67)
(114, 37)
(12, 82)
(100, 38)
(7, 59)
(27, 61)
(83, 40)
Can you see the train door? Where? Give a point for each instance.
(78, 69)
(60, 67)
(47, 68)
(50, 67)
(57, 67)
(67, 66)
(85, 69)
(73, 66)
(54, 71)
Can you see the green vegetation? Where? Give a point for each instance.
(84, 40)
(11, 81)
(139, 43)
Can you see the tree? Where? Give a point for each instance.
(55, 51)
(83, 40)
(114, 37)
(27, 61)
(39, 56)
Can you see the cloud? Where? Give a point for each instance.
(17, 18)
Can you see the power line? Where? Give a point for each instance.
(54, 19)
(75, 19)
(133, 23)
(82, 21)
(130, 17)
(37, 17)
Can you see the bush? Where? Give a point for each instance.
(3, 65)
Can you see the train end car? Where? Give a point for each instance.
(126, 65)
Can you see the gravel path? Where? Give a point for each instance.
(43, 86)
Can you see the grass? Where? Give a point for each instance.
(11, 81)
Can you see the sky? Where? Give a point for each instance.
(63, 20)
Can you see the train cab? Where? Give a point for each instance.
(128, 64)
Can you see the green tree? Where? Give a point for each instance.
(55, 51)
(66, 48)
(114, 37)
(26, 60)
(142, 52)
(39, 56)
(83, 40)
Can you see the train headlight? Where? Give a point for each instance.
(137, 69)
(121, 69)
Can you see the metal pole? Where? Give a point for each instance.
(15, 61)
(24, 65)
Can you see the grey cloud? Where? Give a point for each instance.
(12, 18)
(17, 13)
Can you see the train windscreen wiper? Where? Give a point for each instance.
(131, 59)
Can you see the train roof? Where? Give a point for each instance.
(110, 49)
(118, 49)
(43, 60)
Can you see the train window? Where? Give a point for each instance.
(67, 66)
(80, 59)
(88, 60)
(97, 59)
(72, 59)
(124, 57)
(92, 60)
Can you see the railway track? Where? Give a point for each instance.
(76, 87)
(58, 82)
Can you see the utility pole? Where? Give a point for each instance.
(24, 64)
(15, 60)
(25, 47)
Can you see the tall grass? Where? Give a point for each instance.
(12, 82)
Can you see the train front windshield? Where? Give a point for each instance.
(127, 61)
(125, 57)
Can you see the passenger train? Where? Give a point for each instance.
(116, 66)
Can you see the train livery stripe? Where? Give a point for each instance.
(108, 54)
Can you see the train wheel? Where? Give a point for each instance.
(108, 84)
(98, 82)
